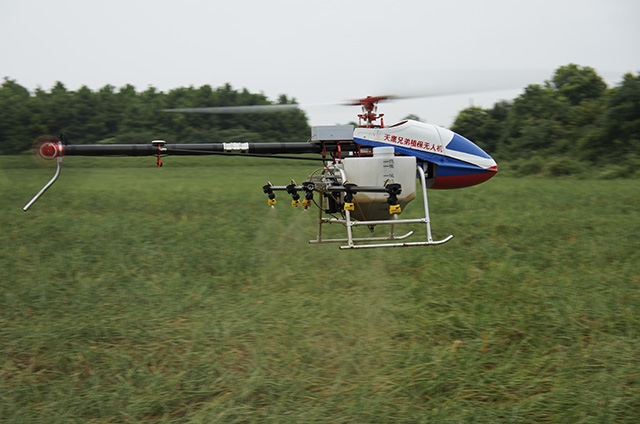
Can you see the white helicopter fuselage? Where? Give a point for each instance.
(458, 161)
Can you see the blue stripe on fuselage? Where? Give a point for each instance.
(464, 145)
(446, 166)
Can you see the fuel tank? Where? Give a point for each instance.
(379, 170)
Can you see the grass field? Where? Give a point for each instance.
(136, 294)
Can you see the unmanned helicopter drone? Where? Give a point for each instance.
(368, 174)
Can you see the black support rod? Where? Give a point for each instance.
(204, 148)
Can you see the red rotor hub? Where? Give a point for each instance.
(369, 109)
(50, 150)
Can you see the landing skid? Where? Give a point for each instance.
(355, 240)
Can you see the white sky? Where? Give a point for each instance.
(320, 51)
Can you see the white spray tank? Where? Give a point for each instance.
(379, 170)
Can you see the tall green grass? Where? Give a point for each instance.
(136, 294)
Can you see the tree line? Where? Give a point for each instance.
(566, 125)
(124, 115)
(570, 123)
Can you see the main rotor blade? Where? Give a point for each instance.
(236, 109)
(425, 84)
(428, 84)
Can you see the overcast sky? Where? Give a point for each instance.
(320, 51)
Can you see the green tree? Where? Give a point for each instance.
(127, 116)
(621, 124)
(578, 83)
(622, 120)
(59, 109)
(584, 128)
(572, 116)
(535, 121)
(109, 110)
(16, 131)
(88, 124)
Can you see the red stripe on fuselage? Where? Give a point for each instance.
(461, 181)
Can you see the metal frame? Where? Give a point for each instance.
(47, 185)
(349, 224)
